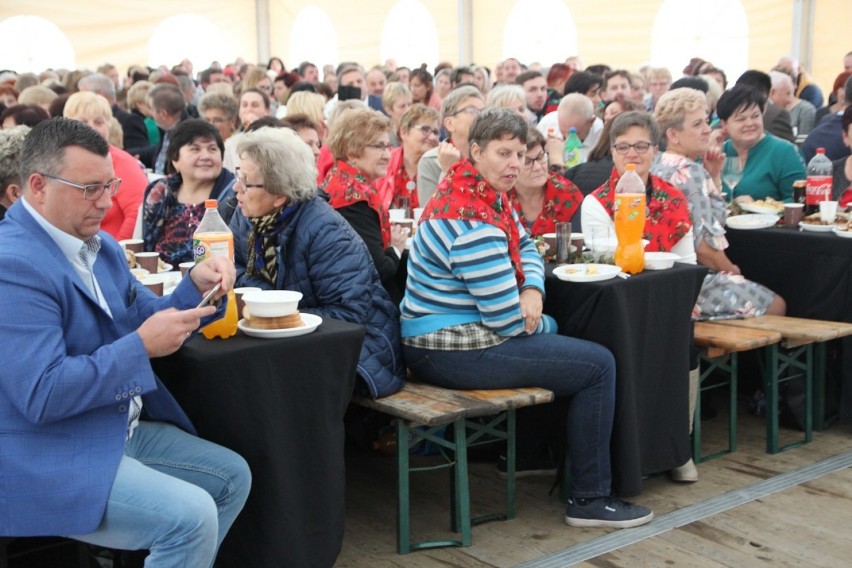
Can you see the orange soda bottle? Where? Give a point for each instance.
(629, 217)
(212, 238)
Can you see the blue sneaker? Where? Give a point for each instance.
(607, 512)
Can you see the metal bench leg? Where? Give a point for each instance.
(511, 456)
(696, 422)
(462, 485)
(731, 370)
(809, 389)
(777, 363)
(403, 526)
(732, 418)
(771, 389)
(819, 384)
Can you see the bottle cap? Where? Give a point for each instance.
(630, 167)
(210, 204)
(572, 129)
(820, 150)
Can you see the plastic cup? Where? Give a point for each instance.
(185, 267)
(407, 223)
(827, 211)
(563, 242)
(133, 245)
(602, 242)
(154, 283)
(550, 240)
(793, 213)
(149, 261)
(238, 296)
(577, 241)
(397, 215)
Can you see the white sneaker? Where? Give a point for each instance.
(686, 473)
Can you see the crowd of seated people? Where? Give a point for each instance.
(307, 171)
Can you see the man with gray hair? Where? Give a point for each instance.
(782, 94)
(805, 87)
(102, 85)
(11, 188)
(575, 111)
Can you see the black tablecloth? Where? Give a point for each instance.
(812, 272)
(279, 403)
(645, 322)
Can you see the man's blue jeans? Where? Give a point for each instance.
(575, 368)
(174, 494)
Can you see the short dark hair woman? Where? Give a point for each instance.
(173, 207)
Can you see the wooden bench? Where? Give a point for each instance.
(804, 341)
(422, 412)
(718, 346)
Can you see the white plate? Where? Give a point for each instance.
(762, 209)
(816, 228)
(844, 234)
(752, 221)
(660, 260)
(165, 267)
(309, 323)
(579, 272)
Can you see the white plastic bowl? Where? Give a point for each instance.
(660, 260)
(272, 303)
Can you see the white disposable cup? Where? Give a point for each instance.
(149, 261)
(185, 267)
(238, 296)
(133, 245)
(827, 211)
(417, 212)
(397, 214)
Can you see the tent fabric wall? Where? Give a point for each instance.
(612, 31)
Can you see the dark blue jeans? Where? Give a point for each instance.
(575, 368)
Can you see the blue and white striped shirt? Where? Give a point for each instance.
(460, 272)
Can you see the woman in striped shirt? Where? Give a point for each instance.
(472, 313)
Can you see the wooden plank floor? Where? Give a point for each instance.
(806, 525)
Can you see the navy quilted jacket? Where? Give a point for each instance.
(322, 257)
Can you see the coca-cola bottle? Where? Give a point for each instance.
(819, 182)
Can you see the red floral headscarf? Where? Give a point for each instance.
(346, 185)
(466, 196)
(403, 186)
(667, 220)
(561, 199)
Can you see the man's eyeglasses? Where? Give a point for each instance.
(541, 160)
(427, 130)
(381, 147)
(624, 147)
(92, 191)
(471, 110)
(241, 180)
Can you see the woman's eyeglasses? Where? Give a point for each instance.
(624, 147)
(541, 160)
(381, 147)
(241, 180)
(471, 110)
(427, 130)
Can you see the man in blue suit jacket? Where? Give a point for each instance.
(75, 458)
